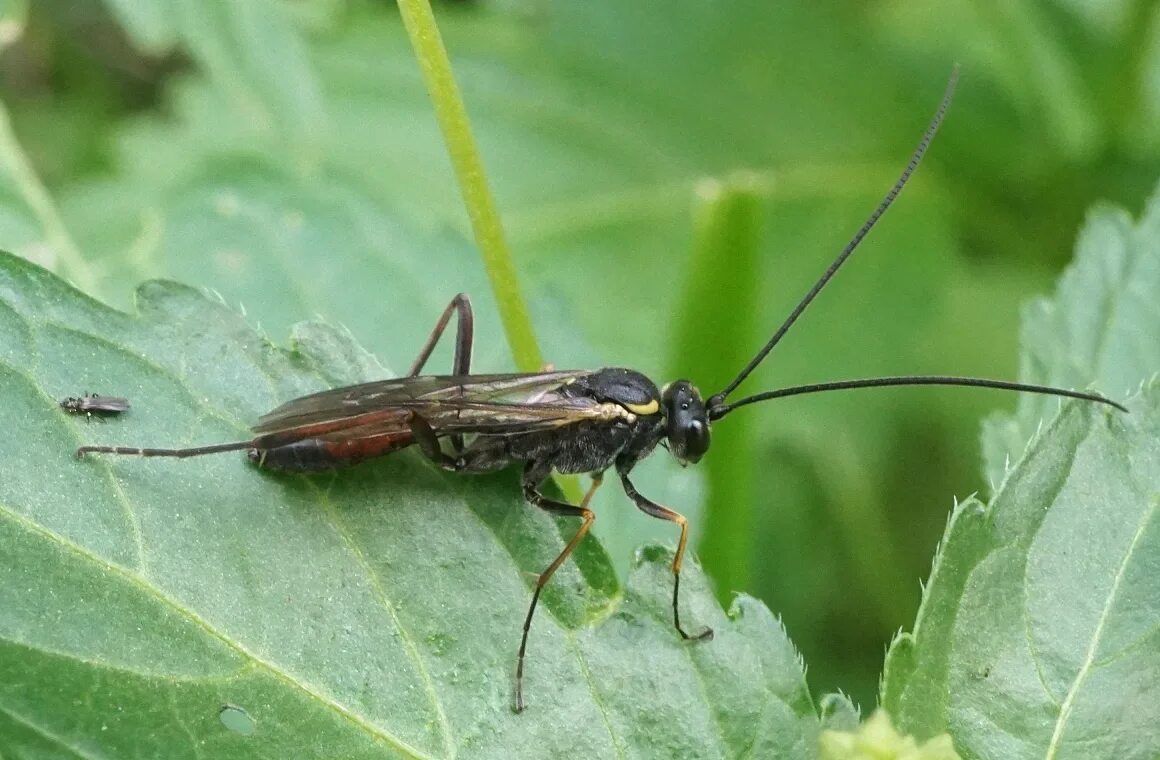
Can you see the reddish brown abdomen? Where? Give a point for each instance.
(315, 454)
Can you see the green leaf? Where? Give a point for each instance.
(251, 50)
(286, 247)
(838, 713)
(13, 20)
(1037, 634)
(1101, 329)
(595, 125)
(205, 608)
(600, 225)
(1021, 51)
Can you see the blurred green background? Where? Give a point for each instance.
(672, 177)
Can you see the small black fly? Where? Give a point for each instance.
(93, 403)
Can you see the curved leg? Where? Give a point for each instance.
(656, 510)
(428, 442)
(534, 475)
(464, 339)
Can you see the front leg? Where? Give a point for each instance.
(650, 507)
(534, 474)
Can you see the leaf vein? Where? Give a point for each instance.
(44, 732)
(1097, 634)
(156, 593)
(408, 640)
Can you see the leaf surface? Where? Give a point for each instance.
(296, 168)
(1101, 329)
(594, 168)
(204, 608)
(1038, 633)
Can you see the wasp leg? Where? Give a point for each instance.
(464, 336)
(656, 510)
(464, 339)
(597, 480)
(424, 435)
(533, 475)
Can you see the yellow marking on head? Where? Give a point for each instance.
(644, 410)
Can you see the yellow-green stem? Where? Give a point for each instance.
(451, 114)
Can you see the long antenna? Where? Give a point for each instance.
(911, 165)
(717, 412)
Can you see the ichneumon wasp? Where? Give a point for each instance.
(570, 422)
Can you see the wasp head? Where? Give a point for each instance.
(686, 421)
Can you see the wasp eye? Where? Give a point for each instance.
(696, 440)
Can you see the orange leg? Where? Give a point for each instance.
(656, 510)
(565, 510)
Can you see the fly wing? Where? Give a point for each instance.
(108, 403)
(483, 404)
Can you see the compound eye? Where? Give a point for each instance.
(696, 440)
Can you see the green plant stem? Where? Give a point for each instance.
(451, 114)
(72, 265)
